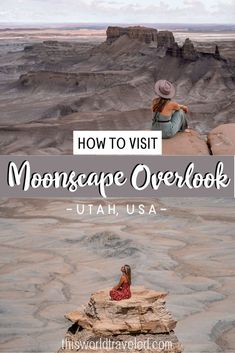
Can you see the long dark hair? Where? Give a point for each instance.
(127, 269)
(159, 103)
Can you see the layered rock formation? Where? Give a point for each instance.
(164, 39)
(81, 81)
(188, 51)
(143, 318)
(143, 34)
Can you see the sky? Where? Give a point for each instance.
(117, 11)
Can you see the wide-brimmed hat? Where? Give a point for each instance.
(164, 89)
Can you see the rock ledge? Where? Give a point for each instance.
(143, 317)
(222, 140)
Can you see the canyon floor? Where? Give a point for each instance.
(56, 81)
(53, 259)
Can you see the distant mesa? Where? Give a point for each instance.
(163, 39)
(143, 34)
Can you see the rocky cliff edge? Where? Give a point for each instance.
(219, 141)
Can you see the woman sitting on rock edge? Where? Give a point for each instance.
(122, 289)
(168, 116)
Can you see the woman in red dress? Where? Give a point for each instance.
(122, 289)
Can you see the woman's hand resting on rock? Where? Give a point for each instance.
(184, 108)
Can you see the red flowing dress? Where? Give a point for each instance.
(121, 293)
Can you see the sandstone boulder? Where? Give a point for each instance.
(185, 144)
(143, 318)
(144, 312)
(222, 140)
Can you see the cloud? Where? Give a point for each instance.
(224, 10)
(178, 11)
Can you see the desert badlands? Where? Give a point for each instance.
(50, 88)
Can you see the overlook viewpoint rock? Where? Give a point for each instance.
(221, 140)
(142, 317)
(186, 143)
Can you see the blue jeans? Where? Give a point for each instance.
(177, 122)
